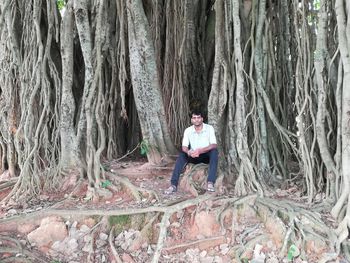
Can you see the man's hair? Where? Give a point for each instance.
(197, 112)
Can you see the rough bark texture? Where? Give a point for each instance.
(146, 85)
(94, 82)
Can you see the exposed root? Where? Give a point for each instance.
(303, 224)
(6, 184)
(165, 221)
(136, 192)
(111, 245)
(14, 247)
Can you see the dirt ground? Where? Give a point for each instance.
(187, 239)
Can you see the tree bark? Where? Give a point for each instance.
(146, 85)
(68, 139)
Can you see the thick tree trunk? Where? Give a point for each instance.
(146, 85)
(264, 159)
(344, 46)
(321, 73)
(247, 178)
(68, 143)
(218, 94)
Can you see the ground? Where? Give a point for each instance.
(218, 227)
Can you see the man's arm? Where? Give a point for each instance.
(199, 151)
(207, 149)
(185, 149)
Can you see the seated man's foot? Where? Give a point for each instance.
(210, 187)
(172, 189)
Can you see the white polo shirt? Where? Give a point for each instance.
(199, 139)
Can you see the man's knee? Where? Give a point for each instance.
(182, 156)
(213, 154)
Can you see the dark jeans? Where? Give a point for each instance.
(210, 158)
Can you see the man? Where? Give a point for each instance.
(198, 146)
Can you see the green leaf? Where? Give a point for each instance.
(105, 184)
(293, 252)
(144, 147)
(60, 4)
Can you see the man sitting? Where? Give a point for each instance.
(198, 146)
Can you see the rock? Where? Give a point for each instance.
(126, 258)
(104, 193)
(25, 228)
(258, 256)
(149, 250)
(103, 236)
(203, 253)
(138, 242)
(217, 259)
(100, 243)
(204, 224)
(49, 231)
(90, 222)
(87, 238)
(272, 260)
(5, 176)
(12, 212)
(85, 228)
(207, 260)
(72, 244)
(86, 247)
(192, 253)
(57, 246)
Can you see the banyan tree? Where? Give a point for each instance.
(82, 81)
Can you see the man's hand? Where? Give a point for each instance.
(194, 153)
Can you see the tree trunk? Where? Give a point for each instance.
(146, 85)
(68, 142)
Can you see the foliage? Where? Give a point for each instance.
(60, 4)
(293, 252)
(106, 183)
(144, 147)
(119, 222)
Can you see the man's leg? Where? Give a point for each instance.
(213, 165)
(181, 161)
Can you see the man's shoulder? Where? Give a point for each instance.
(208, 126)
(188, 129)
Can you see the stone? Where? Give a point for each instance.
(100, 243)
(126, 258)
(203, 253)
(25, 228)
(72, 244)
(207, 260)
(48, 233)
(205, 224)
(86, 247)
(84, 228)
(224, 248)
(87, 238)
(103, 236)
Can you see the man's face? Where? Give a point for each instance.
(197, 120)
